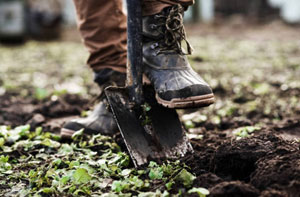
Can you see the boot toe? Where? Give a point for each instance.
(187, 92)
(100, 121)
(188, 97)
(180, 88)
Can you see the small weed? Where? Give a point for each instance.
(244, 132)
(88, 166)
(202, 192)
(146, 120)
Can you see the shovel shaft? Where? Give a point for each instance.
(135, 54)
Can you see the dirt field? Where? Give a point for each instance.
(246, 144)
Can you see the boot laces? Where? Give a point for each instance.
(173, 31)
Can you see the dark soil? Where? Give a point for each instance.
(48, 113)
(264, 164)
(267, 164)
(253, 71)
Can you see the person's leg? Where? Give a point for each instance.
(102, 25)
(106, 39)
(151, 7)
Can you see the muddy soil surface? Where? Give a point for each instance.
(49, 113)
(267, 164)
(263, 165)
(246, 144)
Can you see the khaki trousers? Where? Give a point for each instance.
(102, 25)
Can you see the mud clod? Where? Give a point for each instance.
(17, 111)
(36, 120)
(273, 193)
(207, 180)
(236, 160)
(278, 171)
(234, 189)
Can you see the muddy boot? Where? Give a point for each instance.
(165, 63)
(101, 119)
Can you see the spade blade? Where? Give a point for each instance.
(150, 131)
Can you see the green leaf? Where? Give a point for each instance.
(126, 172)
(4, 159)
(5, 167)
(88, 168)
(202, 192)
(117, 186)
(47, 190)
(32, 174)
(189, 124)
(77, 134)
(146, 107)
(152, 164)
(40, 93)
(156, 173)
(184, 177)
(82, 191)
(109, 195)
(125, 161)
(167, 169)
(38, 131)
(65, 149)
(169, 185)
(84, 113)
(154, 194)
(141, 172)
(64, 180)
(2, 141)
(74, 164)
(23, 128)
(57, 162)
(50, 143)
(138, 183)
(261, 88)
(244, 132)
(81, 175)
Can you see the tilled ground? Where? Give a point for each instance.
(267, 164)
(247, 144)
(264, 164)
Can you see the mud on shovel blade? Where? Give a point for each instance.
(150, 131)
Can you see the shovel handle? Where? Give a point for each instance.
(135, 53)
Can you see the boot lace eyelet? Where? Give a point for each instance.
(153, 46)
(156, 53)
(153, 26)
(156, 17)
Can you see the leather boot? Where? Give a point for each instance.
(165, 63)
(101, 119)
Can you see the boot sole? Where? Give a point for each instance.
(66, 133)
(190, 102)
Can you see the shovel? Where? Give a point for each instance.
(150, 131)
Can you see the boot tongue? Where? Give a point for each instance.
(151, 29)
(167, 29)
